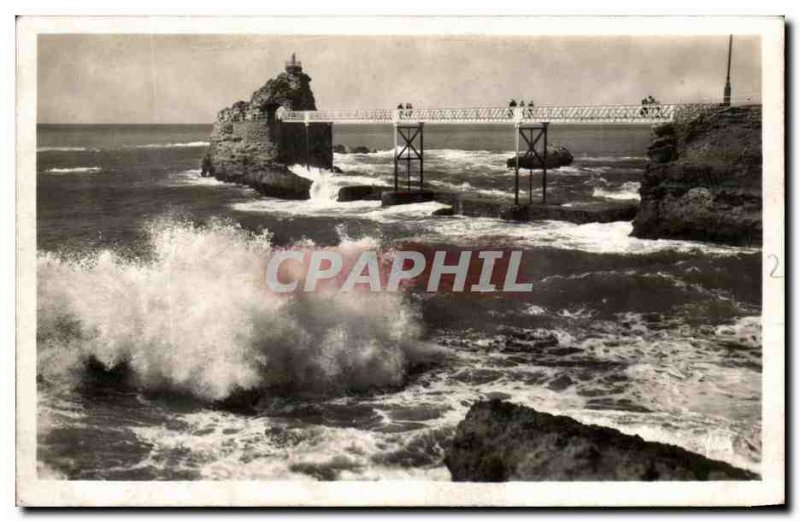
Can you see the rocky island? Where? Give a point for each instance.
(703, 179)
(250, 146)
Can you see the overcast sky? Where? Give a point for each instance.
(188, 78)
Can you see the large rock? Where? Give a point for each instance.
(557, 156)
(500, 441)
(249, 146)
(703, 179)
(362, 192)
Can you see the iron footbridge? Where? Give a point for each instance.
(632, 114)
(530, 128)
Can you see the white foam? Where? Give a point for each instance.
(74, 170)
(66, 149)
(176, 145)
(627, 191)
(603, 238)
(193, 177)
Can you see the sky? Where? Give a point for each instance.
(188, 78)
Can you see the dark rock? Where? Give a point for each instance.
(703, 180)
(665, 129)
(361, 149)
(361, 192)
(560, 383)
(446, 211)
(339, 149)
(662, 150)
(499, 441)
(206, 166)
(279, 184)
(390, 198)
(557, 156)
(530, 344)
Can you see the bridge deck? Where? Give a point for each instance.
(641, 114)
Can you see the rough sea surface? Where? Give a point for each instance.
(155, 275)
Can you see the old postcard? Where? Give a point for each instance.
(400, 261)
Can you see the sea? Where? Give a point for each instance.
(161, 356)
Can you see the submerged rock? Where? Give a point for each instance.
(500, 441)
(557, 156)
(703, 180)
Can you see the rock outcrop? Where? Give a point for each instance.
(362, 192)
(250, 146)
(500, 441)
(703, 179)
(358, 149)
(557, 156)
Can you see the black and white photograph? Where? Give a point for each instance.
(447, 259)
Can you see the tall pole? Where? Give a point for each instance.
(726, 97)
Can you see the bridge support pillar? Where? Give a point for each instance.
(413, 149)
(307, 121)
(532, 135)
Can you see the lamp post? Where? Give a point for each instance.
(726, 96)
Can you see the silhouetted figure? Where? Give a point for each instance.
(650, 107)
(400, 106)
(512, 103)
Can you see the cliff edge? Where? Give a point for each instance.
(703, 179)
(500, 441)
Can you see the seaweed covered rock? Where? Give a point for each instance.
(500, 441)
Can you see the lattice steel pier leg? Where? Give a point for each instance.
(396, 183)
(409, 152)
(530, 175)
(308, 150)
(516, 164)
(421, 156)
(544, 164)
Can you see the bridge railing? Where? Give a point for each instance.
(652, 114)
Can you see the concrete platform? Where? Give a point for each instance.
(578, 212)
(463, 204)
(402, 197)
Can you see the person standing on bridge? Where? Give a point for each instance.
(511, 106)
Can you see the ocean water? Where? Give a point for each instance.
(155, 275)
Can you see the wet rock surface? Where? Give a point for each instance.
(703, 180)
(557, 156)
(500, 441)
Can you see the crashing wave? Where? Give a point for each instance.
(198, 318)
